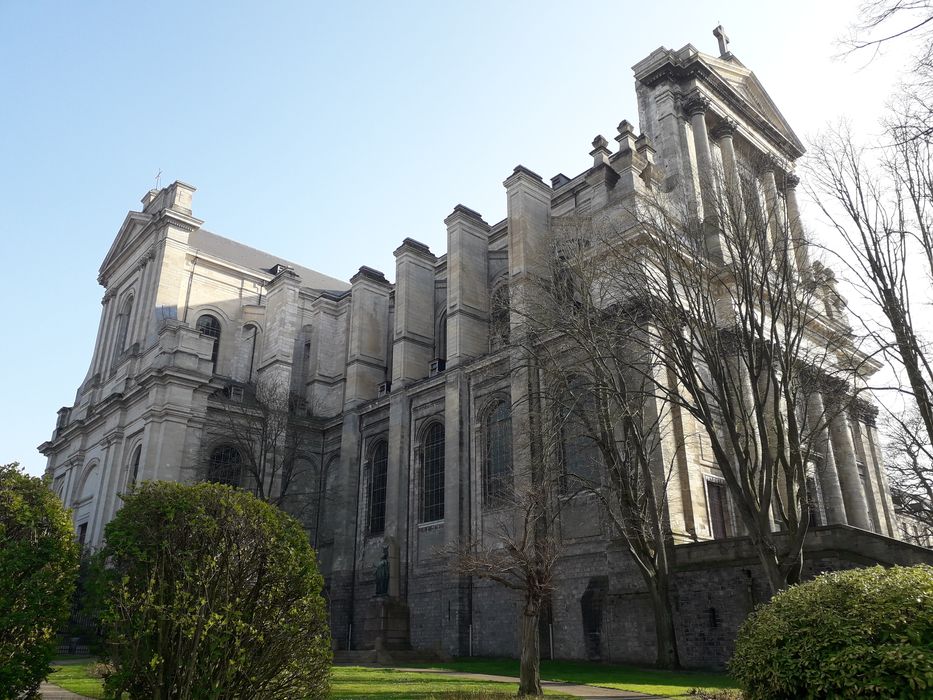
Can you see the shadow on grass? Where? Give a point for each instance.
(642, 680)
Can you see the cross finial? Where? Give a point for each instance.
(723, 39)
(158, 179)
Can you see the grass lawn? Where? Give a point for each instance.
(357, 682)
(74, 677)
(347, 682)
(642, 680)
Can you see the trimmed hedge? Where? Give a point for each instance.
(38, 566)
(864, 633)
(207, 592)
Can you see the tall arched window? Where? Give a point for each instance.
(225, 466)
(134, 465)
(432, 474)
(440, 338)
(378, 479)
(497, 454)
(123, 325)
(210, 326)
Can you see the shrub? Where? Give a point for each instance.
(208, 592)
(865, 633)
(38, 565)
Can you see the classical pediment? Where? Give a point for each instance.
(734, 85)
(747, 86)
(126, 238)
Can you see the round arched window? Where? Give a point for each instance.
(225, 466)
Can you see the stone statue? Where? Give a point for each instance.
(382, 573)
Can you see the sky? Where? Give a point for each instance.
(325, 133)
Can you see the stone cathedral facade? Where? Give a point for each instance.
(407, 414)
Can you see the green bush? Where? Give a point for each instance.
(207, 592)
(865, 633)
(38, 565)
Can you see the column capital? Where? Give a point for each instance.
(725, 129)
(791, 181)
(695, 103)
(771, 163)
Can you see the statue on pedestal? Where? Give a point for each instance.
(382, 574)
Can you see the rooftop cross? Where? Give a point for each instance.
(723, 38)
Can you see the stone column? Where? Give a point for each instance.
(780, 244)
(103, 332)
(869, 488)
(798, 238)
(695, 106)
(732, 197)
(874, 448)
(467, 286)
(827, 471)
(144, 299)
(840, 434)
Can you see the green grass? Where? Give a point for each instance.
(641, 680)
(347, 682)
(74, 677)
(357, 682)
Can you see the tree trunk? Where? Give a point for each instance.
(529, 682)
(767, 555)
(665, 634)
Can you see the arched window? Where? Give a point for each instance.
(499, 320)
(440, 339)
(208, 325)
(497, 454)
(378, 479)
(432, 474)
(134, 465)
(123, 325)
(225, 466)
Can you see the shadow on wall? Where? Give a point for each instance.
(592, 604)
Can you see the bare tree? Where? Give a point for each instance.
(520, 550)
(910, 468)
(880, 202)
(881, 22)
(608, 422)
(276, 442)
(754, 341)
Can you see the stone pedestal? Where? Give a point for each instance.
(386, 625)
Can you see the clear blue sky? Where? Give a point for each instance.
(322, 132)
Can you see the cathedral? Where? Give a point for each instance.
(400, 432)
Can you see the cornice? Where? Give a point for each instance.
(675, 71)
